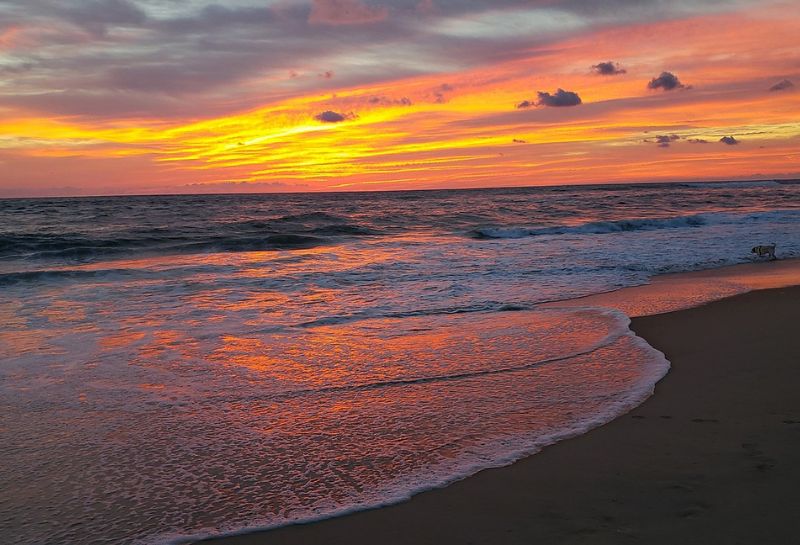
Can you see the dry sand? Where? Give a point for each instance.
(712, 458)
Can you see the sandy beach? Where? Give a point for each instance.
(710, 458)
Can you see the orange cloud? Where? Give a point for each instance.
(8, 36)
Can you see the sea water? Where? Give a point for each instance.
(176, 366)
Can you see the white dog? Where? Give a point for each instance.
(766, 250)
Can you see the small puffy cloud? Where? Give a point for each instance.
(783, 85)
(663, 140)
(698, 141)
(666, 81)
(729, 140)
(519, 141)
(608, 68)
(524, 104)
(345, 12)
(558, 99)
(439, 96)
(329, 116)
(327, 74)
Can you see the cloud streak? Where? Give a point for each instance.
(783, 85)
(345, 12)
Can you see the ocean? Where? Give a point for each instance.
(178, 366)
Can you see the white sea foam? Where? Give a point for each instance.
(490, 454)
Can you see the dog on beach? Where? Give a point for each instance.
(766, 250)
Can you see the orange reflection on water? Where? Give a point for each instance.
(162, 343)
(391, 350)
(123, 338)
(63, 311)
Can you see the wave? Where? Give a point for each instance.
(310, 217)
(482, 306)
(245, 236)
(730, 185)
(343, 229)
(591, 228)
(7, 279)
(628, 225)
(84, 250)
(256, 243)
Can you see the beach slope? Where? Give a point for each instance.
(712, 457)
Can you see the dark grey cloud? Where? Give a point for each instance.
(95, 16)
(198, 49)
(783, 85)
(697, 141)
(17, 69)
(329, 116)
(558, 99)
(180, 74)
(662, 140)
(439, 96)
(666, 81)
(729, 140)
(518, 141)
(608, 68)
(525, 104)
(215, 17)
(101, 104)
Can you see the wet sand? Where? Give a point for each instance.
(712, 457)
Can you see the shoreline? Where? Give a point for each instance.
(464, 502)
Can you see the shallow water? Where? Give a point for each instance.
(188, 365)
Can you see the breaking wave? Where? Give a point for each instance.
(627, 225)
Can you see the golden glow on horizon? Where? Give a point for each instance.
(404, 134)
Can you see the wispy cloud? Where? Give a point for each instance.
(345, 12)
(783, 85)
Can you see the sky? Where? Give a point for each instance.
(191, 96)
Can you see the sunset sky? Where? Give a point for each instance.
(184, 96)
